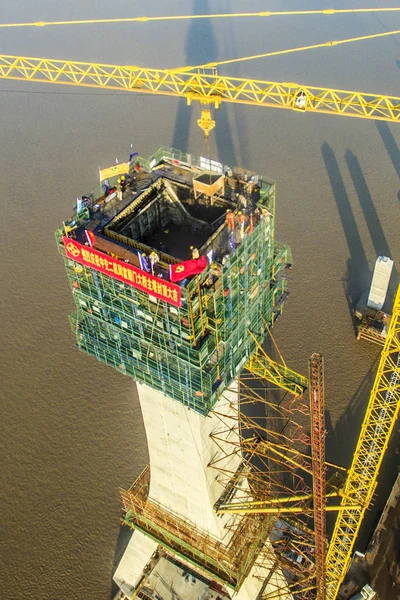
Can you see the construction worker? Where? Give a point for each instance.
(301, 100)
(145, 263)
(230, 220)
(119, 189)
(121, 186)
(251, 225)
(154, 259)
(195, 253)
(242, 221)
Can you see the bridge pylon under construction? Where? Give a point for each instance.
(177, 280)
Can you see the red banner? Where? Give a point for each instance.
(187, 268)
(89, 257)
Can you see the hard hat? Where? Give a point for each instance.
(123, 178)
(240, 212)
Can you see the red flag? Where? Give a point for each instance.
(91, 238)
(189, 267)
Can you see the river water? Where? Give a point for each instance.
(72, 433)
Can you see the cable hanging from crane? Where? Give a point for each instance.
(329, 44)
(144, 19)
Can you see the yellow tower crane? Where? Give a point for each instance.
(204, 85)
(379, 420)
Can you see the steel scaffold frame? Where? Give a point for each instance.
(273, 470)
(379, 420)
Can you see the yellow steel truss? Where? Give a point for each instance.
(260, 365)
(207, 87)
(379, 420)
(263, 367)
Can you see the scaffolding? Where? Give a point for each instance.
(228, 563)
(271, 445)
(267, 433)
(192, 352)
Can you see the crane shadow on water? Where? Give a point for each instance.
(358, 274)
(341, 439)
(201, 47)
(371, 217)
(390, 145)
(370, 213)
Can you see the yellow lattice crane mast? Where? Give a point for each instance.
(380, 417)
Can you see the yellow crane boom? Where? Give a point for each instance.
(379, 420)
(207, 87)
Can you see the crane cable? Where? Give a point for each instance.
(329, 44)
(329, 11)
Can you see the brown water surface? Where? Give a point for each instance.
(71, 428)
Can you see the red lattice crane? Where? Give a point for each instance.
(317, 419)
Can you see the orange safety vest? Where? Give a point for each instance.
(230, 219)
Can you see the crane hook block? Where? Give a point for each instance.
(206, 122)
